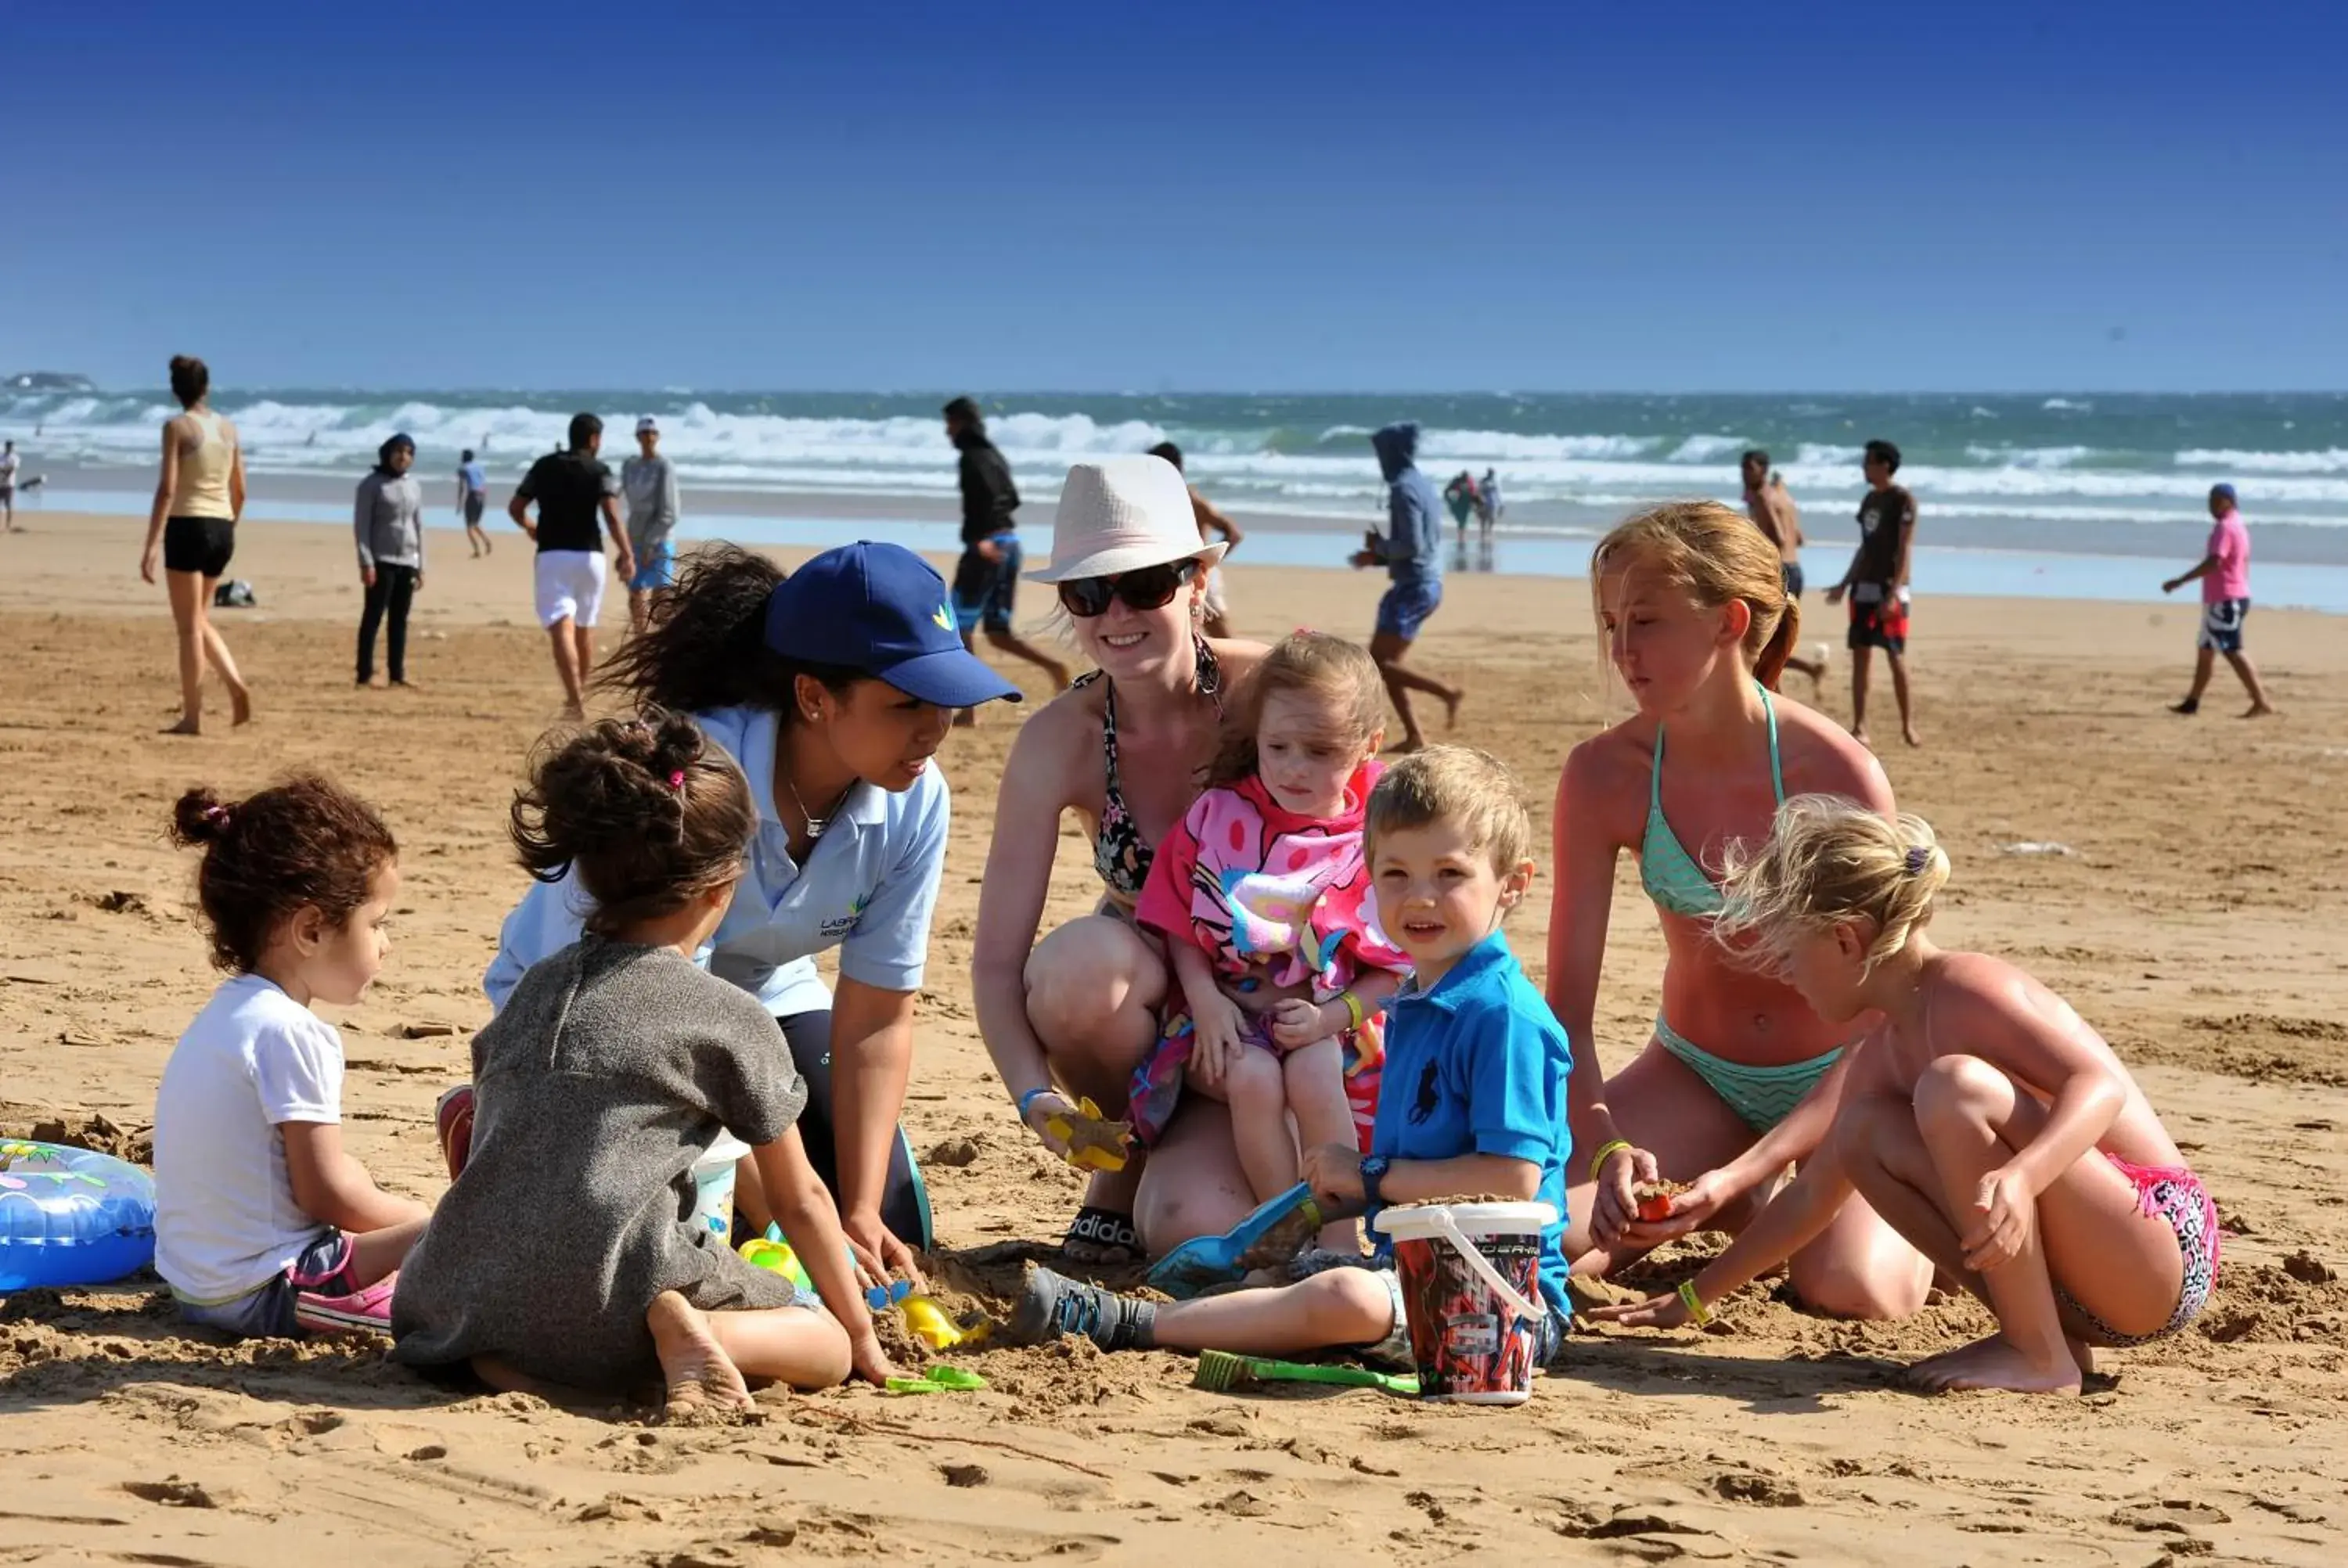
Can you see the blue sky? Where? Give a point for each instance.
(1251, 196)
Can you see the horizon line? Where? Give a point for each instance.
(1129, 392)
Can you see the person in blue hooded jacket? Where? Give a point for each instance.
(1411, 549)
(832, 688)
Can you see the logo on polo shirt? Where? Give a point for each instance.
(841, 925)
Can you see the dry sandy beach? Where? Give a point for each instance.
(2197, 921)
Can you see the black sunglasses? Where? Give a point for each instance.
(1150, 588)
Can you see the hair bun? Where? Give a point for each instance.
(201, 817)
(678, 744)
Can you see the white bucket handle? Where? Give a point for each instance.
(1483, 1266)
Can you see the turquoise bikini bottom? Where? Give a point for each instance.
(1763, 1096)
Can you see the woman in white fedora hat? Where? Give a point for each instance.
(1126, 748)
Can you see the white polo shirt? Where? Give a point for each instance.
(868, 888)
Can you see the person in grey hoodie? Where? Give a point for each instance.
(388, 522)
(649, 482)
(1411, 549)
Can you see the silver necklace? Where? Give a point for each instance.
(815, 824)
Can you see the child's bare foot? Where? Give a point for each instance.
(699, 1375)
(1451, 700)
(1908, 733)
(2261, 711)
(185, 726)
(574, 712)
(240, 706)
(1859, 734)
(1994, 1363)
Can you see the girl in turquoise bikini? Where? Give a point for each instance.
(1741, 1077)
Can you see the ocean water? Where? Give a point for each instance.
(2082, 475)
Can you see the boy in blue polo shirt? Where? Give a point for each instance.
(1474, 1097)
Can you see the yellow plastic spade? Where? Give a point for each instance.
(1094, 1142)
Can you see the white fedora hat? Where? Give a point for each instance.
(1122, 514)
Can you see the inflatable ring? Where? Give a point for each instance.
(71, 1217)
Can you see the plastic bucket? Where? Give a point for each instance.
(713, 1185)
(1470, 1276)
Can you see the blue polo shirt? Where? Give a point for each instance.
(1478, 1065)
(868, 888)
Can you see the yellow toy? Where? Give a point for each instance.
(1094, 1141)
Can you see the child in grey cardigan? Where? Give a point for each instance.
(563, 1253)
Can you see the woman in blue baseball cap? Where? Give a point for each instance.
(832, 689)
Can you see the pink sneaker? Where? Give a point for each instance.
(453, 1118)
(365, 1312)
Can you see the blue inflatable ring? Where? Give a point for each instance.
(71, 1217)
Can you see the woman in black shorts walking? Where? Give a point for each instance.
(192, 530)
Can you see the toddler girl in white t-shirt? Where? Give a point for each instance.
(264, 1225)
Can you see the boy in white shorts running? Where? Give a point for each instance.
(571, 488)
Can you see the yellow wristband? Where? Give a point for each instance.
(1694, 1302)
(1353, 1006)
(1605, 1152)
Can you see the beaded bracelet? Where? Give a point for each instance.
(1694, 1302)
(1605, 1152)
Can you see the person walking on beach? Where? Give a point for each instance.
(1771, 506)
(472, 500)
(1461, 496)
(2225, 577)
(1411, 551)
(1488, 490)
(9, 464)
(1877, 582)
(986, 579)
(387, 519)
(570, 487)
(191, 532)
(650, 483)
(1211, 522)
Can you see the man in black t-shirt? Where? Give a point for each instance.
(986, 579)
(1877, 582)
(571, 488)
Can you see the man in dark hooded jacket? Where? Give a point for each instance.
(1411, 551)
(986, 581)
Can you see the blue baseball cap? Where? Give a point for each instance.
(881, 609)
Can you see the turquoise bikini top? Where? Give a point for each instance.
(1669, 873)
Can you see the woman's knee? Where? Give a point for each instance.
(1084, 973)
(1192, 1184)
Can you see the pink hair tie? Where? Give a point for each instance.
(676, 781)
(216, 815)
